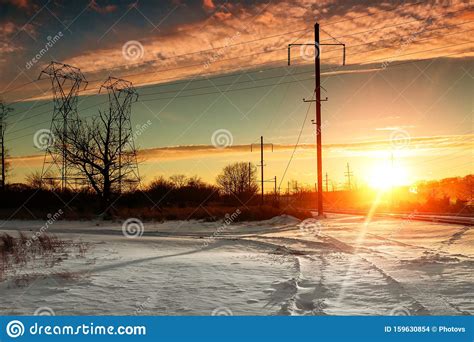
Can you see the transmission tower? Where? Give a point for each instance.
(4, 110)
(121, 96)
(66, 81)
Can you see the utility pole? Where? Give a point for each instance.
(262, 180)
(276, 193)
(261, 164)
(250, 176)
(317, 100)
(4, 110)
(349, 174)
(391, 183)
(327, 179)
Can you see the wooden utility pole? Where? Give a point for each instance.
(319, 149)
(262, 180)
(317, 100)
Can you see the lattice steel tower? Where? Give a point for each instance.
(66, 82)
(121, 95)
(4, 110)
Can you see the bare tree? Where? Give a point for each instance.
(100, 152)
(36, 180)
(179, 180)
(238, 179)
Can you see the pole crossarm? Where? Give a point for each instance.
(317, 47)
(323, 100)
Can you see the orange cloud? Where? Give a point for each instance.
(102, 9)
(19, 3)
(373, 35)
(208, 4)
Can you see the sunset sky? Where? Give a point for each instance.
(405, 92)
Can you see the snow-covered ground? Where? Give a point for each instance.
(342, 265)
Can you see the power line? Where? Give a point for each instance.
(268, 85)
(246, 42)
(296, 144)
(271, 77)
(268, 51)
(273, 68)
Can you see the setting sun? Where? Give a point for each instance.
(384, 176)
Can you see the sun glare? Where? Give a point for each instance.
(385, 176)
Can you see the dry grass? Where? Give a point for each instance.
(17, 252)
(212, 213)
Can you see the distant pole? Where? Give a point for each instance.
(327, 189)
(261, 164)
(348, 175)
(250, 177)
(288, 194)
(391, 184)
